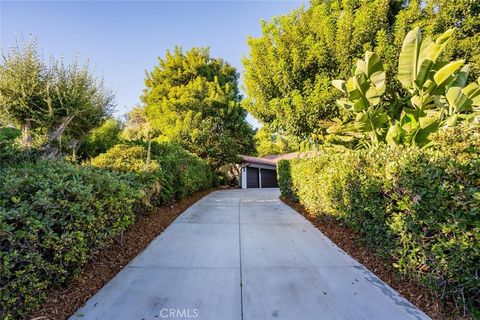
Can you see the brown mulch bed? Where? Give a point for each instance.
(348, 240)
(61, 303)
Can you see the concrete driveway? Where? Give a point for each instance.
(243, 254)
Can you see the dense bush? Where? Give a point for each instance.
(53, 217)
(11, 150)
(420, 206)
(184, 170)
(100, 139)
(285, 181)
(150, 178)
(54, 103)
(7, 138)
(175, 171)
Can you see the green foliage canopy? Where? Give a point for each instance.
(288, 71)
(100, 139)
(56, 100)
(437, 92)
(273, 143)
(193, 99)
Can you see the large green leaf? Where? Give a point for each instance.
(423, 72)
(373, 95)
(427, 126)
(408, 60)
(418, 57)
(435, 49)
(454, 91)
(472, 91)
(394, 134)
(443, 76)
(372, 66)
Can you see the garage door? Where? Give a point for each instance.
(269, 178)
(252, 178)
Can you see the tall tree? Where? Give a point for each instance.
(288, 71)
(23, 88)
(273, 143)
(59, 100)
(194, 100)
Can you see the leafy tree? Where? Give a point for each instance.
(81, 102)
(137, 126)
(23, 88)
(194, 100)
(287, 75)
(101, 139)
(55, 101)
(435, 17)
(288, 71)
(273, 143)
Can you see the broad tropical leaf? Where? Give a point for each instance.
(454, 92)
(408, 60)
(443, 76)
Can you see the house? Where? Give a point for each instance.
(258, 172)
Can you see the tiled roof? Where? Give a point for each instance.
(271, 160)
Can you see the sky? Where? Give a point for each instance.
(122, 39)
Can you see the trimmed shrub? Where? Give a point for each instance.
(184, 170)
(53, 217)
(419, 206)
(150, 178)
(284, 178)
(9, 152)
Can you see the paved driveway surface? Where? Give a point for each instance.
(243, 254)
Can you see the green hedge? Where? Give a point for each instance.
(420, 206)
(54, 215)
(174, 171)
(149, 178)
(183, 169)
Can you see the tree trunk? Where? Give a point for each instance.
(74, 145)
(26, 137)
(149, 152)
(51, 151)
